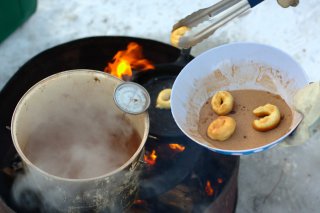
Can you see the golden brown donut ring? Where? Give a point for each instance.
(222, 102)
(177, 34)
(270, 117)
(221, 128)
(163, 99)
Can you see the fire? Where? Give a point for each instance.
(139, 202)
(209, 189)
(125, 60)
(151, 158)
(177, 147)
(220, 180)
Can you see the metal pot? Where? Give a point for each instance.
(110, 192)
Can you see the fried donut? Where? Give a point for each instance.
(163, 100)
(221, 128)
(222, 103)
(176, 35)
(288, 3)
(269, 117)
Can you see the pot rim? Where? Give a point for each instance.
(136, 155)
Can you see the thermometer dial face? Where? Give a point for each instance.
(132, 98)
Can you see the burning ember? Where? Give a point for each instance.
(209, 189)
(177, 147)
(139, 202)
(151, 158)
(125, 60)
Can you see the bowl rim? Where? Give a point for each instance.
(241, 151)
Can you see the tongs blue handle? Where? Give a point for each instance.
(254, 2)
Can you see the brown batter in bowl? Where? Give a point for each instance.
(245, 136)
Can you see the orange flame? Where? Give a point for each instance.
(177, 147)
(220, 180)
(125, 60)
(151, 158)
(209, 189)
(139, 202)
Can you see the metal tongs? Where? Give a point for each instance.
(215, 16)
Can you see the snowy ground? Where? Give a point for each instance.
(278, 180)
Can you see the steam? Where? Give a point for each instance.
(24, 192)
(32, 193)
(83, 141)
(83, 144)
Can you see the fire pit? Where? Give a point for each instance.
(178, 175)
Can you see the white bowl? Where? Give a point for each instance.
(242, 66)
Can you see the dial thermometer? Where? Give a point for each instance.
(131, 98)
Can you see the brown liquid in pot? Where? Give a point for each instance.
(71, 149)
(245, 137)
